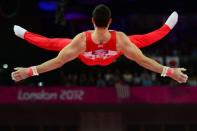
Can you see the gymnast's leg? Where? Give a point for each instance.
(152, 37)
(54, 44)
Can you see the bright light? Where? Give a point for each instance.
(40, 84)
(5, 66)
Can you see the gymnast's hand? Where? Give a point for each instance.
(179, 76)
(19, 74)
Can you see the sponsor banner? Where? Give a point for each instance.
(93, 95)
(163, 95)
(57, 95)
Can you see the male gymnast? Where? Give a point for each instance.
(99, 47)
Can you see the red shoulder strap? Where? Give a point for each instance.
(113, 36)
(112, 42)
(88, 40)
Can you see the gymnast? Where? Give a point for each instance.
(100, 46)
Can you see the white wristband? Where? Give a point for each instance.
(164, 72)
(35, 72)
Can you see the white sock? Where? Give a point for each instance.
(172, 20)
(19, 31)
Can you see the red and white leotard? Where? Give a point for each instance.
(103, 54)
(100, 54)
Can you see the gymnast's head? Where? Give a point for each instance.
(101, 16)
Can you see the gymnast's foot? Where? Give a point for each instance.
(172, 20)
(19, 31)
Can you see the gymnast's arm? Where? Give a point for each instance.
(134, 53)
(70, 52)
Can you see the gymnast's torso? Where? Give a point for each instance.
(101, 54)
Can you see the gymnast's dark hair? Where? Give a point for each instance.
(101, 15)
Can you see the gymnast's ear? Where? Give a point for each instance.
(93, 22)
(110, 21)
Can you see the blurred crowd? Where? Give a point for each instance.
(110, 79)
(123, 71)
